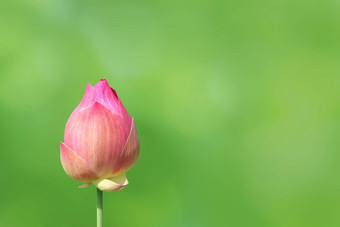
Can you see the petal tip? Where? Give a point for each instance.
(88, 85)
(102, 82)
(74, 165)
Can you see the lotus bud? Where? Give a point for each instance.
(100, 140)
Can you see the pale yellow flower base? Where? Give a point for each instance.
(111, 184)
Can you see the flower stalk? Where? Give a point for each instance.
(99, 208)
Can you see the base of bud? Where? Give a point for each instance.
(112, 184)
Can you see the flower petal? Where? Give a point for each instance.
(88, 99)
(98, 135)
(112, 184)
(130, 153)
(75, 166)
(107, 96)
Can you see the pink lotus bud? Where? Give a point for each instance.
(101, 141)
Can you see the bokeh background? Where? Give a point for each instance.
(236, 104)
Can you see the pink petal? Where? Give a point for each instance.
(103, 94)
(75, 166)
(98, 135)
(107, 96)
(88, 99)
(130, 153)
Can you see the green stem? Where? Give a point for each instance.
(99, 208)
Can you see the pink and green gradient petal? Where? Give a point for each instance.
(130, 152)
(98, 135)
(75, 166)
(88, 99)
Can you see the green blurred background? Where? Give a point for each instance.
(236, 104)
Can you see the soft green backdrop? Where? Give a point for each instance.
(236, 104)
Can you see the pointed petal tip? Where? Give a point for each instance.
(97, 104)
(115, 94)
(63, 146)
(74, 165)
(88, 85)
(102, 83)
